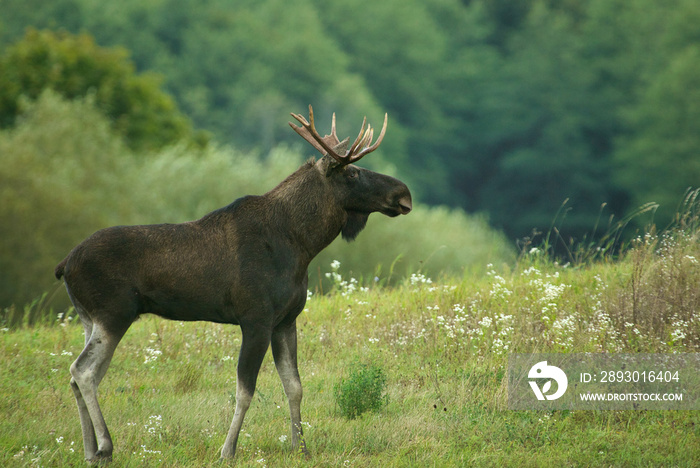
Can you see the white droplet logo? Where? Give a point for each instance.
(542, 371)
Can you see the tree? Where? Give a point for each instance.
(660, 158)
(645, 56)
(74, 66)
(541, 132)
(239, 70)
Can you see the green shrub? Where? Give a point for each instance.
(362, 391)
(433, 240)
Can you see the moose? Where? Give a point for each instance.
(243, 264)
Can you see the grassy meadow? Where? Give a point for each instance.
(442, 343)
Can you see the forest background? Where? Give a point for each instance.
(161, 110)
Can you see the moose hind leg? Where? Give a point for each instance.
(89, 440)
(284, 350)
(256, 340)
(87, 372)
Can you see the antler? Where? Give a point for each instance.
(357, 151)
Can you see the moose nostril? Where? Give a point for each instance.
(405, 204)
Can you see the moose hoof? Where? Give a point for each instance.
(101, 458)
(226, 458)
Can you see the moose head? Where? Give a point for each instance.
(360, 191)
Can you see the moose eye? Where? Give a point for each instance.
(352, 174)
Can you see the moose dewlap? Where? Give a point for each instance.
(244, 264)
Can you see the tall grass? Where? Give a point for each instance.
(442, 343)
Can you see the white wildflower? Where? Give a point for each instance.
(151, 355)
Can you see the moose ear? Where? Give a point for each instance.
(326, 165)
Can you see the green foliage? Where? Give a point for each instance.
(74, 66)
(238, 70)
(493, 107)
(363, 390)
(543, 154)
(57, 184)
(665, 143)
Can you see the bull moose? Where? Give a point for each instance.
(243, 264)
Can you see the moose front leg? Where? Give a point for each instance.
(284, 350)
(256, 340)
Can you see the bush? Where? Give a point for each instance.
(363, 391)
(433, 240)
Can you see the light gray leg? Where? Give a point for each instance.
(253, 349)
(88, 371)
(89, 441)
(284, 350)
